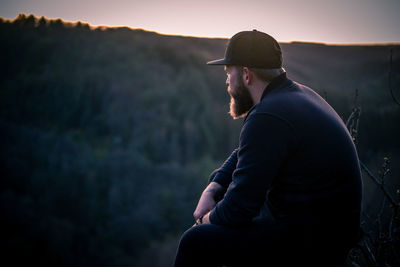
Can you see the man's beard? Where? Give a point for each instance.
(241, 101)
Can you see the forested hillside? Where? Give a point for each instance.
(108, 135)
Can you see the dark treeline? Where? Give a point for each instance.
(108, 135)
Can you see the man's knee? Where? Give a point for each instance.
(188, 239)
(194, 239)
(196, 247)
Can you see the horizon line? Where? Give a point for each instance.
(101, 26)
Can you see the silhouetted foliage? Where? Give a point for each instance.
(108, 135)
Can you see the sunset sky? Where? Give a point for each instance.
(330, 21)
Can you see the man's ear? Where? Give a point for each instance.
(247, 76)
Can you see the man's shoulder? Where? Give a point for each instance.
(295, 104)
(280, 99)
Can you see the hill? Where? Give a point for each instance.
(108, 135)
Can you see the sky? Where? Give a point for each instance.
(328, 21)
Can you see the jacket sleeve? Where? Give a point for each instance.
(265, 142)
(223, 175)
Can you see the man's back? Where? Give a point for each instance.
(317, 188)
(321, 175)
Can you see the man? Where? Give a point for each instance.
(291, 192)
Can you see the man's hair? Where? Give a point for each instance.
(264, 74)
(267, 74)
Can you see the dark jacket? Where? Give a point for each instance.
(295, 158)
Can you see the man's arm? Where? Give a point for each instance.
(207, 200)
(218, 183)
(223, 175)
(265, 143)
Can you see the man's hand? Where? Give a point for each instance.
(207, 201)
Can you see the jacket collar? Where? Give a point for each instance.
(276, 82)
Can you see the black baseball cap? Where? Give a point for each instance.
(253, 49)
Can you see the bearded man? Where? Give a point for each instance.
(291, 192)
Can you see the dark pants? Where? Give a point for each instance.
(268, 243)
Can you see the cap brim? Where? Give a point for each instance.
(221, 61)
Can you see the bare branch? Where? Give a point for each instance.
(390, 77)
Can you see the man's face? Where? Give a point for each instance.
(241, 101)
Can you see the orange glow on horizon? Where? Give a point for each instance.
(322, 21)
